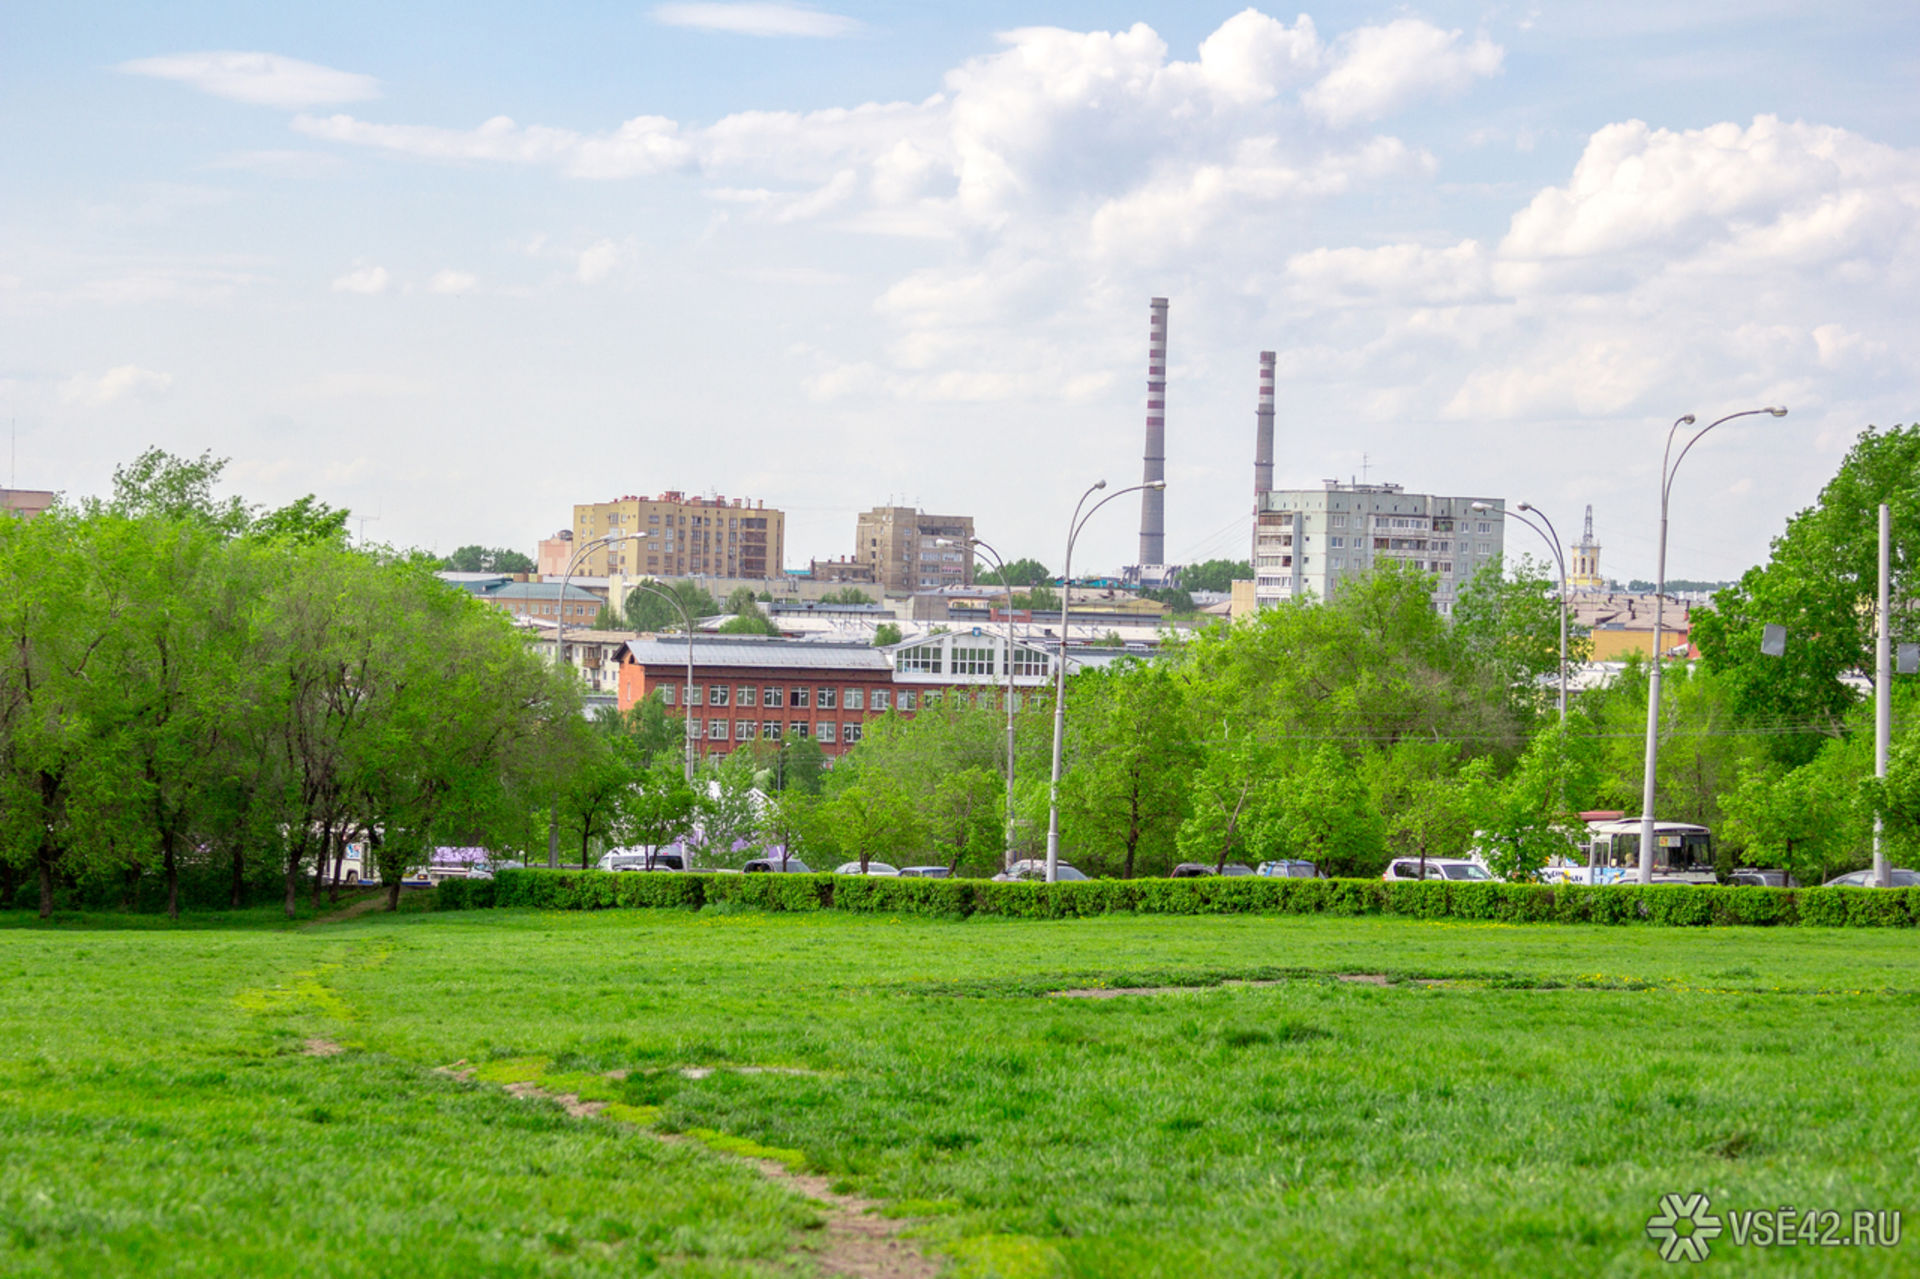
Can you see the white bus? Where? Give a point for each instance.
(1682, 854)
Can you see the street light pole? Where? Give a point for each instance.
(1007, 582)
(1669, 465)
(1074, 526)
(1552, 537)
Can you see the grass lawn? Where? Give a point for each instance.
(1514, 1100)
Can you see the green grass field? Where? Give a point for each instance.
(1514, 1100)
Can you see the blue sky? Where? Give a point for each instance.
(459, 267)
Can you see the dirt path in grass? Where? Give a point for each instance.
(860, 1244)
(365, 906)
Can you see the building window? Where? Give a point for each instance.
(744, 695)
(854, 699)
(717, 696)
(802, 696)
(850, 733)
(1336, 542)
(825, 701)
(797, 728)
(1027, 661)
(829, 732)
(972, 661)
(925, 659)
(743, 730)
(693, 728)
(717, 729)
(906, 700)
(771, 730)
(697, 695)
(668, 693)
(881, 698)
(773, 697)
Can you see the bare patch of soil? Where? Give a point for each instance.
(1114, 992)
(858, 1242)
(321, 1048)
(365, 905)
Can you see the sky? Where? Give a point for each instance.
(458, 267)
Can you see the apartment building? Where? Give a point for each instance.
(25, 503)
(682, 536)
(1306, 541)
(909, 550)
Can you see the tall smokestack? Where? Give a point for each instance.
(1263, 430)
(1153, 502)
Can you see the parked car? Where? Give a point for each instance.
(1457, 868)
(873, 868)
(1290, 868)
(1190, 870)
(1762, 877)
(1034, 869)
(763, 865)
(643, 861)
(1237, 868)
(924, 872)
(1899, 877)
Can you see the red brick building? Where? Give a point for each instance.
(748, 689)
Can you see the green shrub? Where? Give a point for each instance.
(1671, 905)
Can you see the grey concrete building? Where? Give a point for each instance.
(1306, 541)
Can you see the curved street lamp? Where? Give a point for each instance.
(560, 636)
(1552, 536)
(1074, 526)
(972, 544)
(1668, 466)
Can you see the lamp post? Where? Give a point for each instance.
(1669, 465)
(1552, 537)
(1074, 526)
(975, 543)
(560, 636)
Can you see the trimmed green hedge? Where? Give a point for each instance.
(1676, 905)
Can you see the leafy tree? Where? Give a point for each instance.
(1019, 573)
(1820, 582)
(1039, 599)
(1509, 627)
(488, 559)
(1815, 820)
(1230, 803)
(307, 521)
(730, 816)
(1178, 601)
(870, 822)
(747, 618)
(659, 807)
(963, 818)
(647, 611)
(886, 633)
(847, 595)
(1133, 757)
(1330, 819)
(1215, 575)
(158, 485)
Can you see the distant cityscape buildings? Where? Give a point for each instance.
(681, 536)
(1307, 541)
(909, 550)
(25, 503)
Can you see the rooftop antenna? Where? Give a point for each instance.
(1364, 464)
(363, 526)
(13, 459)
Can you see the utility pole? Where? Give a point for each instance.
(1882, 700)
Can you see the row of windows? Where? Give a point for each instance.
(746, 730)
(970, 660)
(826, 699)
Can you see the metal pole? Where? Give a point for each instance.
(1551, 536)
(1007, 582)
(686, 700)
(1882, 699)
(1060, 673)
(1647, 781)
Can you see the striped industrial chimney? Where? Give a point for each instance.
(1153, 502)
(1263, 430)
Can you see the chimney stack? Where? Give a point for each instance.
(1153, 509)
(1263, 429)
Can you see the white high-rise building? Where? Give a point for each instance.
(1305, 541)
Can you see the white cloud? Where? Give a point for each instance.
(286, 163)
(265, 79)
(598, 261)
(756, 19)
(365, 279)
(1381, 70)
(450, 281)
(128, 380)
(642, 146)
